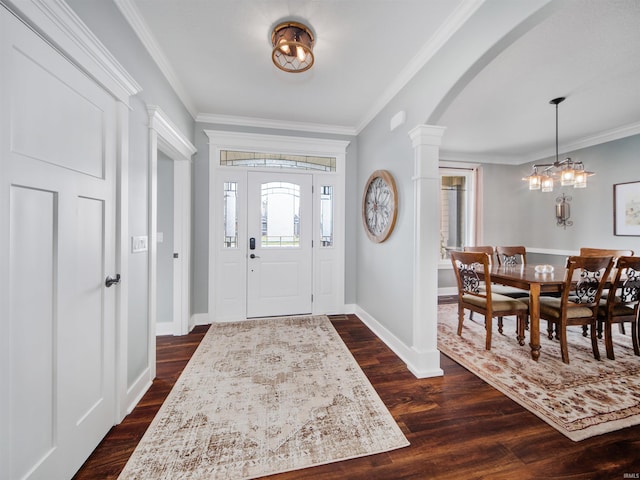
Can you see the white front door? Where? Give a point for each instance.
(57, 245)
(279, 257)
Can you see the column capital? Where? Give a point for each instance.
(426, 135)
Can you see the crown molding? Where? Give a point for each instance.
(454, 156)
(450, 26)
(170, 136)
(261, 142)
(590, 141)
(139, 26)
(55, 21)
(275, 124)
(586, 142)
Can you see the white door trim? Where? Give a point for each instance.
(166, 137)
(60, 25)
(224, 140)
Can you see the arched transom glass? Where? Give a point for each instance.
(232, 158)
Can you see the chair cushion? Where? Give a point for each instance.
(512, 292)
(500, 303)
(619, 310)
(551, 307)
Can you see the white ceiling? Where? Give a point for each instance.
(217, 56)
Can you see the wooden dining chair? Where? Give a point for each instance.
(598, 252)
(603, 252)
(622, 303)
(511, 256)
(515, 255)
(475, 294)
(489, 250)
(578, 305)
(502, 289)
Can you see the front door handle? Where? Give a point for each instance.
(253, 255)
(112, 281)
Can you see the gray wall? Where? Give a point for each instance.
(165, 248)
(385, 270)
(201, 209)
(107, 23)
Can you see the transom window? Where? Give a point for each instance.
(232, 158)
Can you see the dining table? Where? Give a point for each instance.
(526, 277)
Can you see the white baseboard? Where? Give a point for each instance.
(349, 308)
(421, 364)
(137, 390)
(200, 319)
(164, 328)
(552, 251)
(448, 291)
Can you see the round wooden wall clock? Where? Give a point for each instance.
(379, 205)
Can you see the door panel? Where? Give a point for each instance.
(57, 173)
(279, 272)
(32, 270)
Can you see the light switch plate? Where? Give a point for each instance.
(139, 244)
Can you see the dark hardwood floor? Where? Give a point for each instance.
(459, 426)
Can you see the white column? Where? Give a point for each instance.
(426, 140)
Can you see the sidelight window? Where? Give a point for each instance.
(231, 214)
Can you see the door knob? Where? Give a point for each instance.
(253, 255)
(112, 281)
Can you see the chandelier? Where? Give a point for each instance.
(569, 173)
(292, 47)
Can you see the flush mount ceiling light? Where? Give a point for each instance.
(569, 172)
(292, 47)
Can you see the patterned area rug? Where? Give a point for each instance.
(261, 397)
(583, 399)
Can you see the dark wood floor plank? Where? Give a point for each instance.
(458, 426)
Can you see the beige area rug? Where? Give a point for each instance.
(261, 397)
(585, 398)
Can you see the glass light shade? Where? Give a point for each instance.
(534, 182)
(580, 179)
(547, 184)
(567, 176)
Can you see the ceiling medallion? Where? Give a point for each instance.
(292, 47)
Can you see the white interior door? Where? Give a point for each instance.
(279, 256)
(57, 218)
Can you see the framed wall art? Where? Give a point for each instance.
(626, 209)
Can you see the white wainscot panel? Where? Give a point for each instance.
(231, 302)
(326, 286)
(32, 327)
(47, 116)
